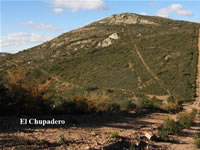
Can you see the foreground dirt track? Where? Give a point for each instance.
(93, 132)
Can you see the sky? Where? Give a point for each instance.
(26, 23)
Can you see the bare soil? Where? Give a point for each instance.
(93, 131)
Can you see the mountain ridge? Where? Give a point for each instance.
(124, 58)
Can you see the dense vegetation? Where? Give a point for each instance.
(71, 70)
(172, 127)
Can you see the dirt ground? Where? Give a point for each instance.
(93, 132)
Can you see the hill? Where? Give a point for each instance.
(2, 55)
(115, 63)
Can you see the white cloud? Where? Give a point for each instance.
(76, 5)
(177, 8)
(184, 13)
(164, 12)
(58, 10)
(21, 38)
(143, 13)
(40, 26)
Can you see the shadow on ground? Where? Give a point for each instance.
(24, 144)
(121, 120)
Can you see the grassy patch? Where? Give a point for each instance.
(115, 135)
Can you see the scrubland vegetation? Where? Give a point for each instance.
(78, 76)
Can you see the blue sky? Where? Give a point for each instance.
(28, 23)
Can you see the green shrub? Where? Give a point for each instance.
(130, 106)
(171, 99)
(198, 114)
(193, 113)
(107, 107)
(185, 120)
(164, 135)
(82, 104)
(132, 147)
(115, 135)
(172, 107)
(61, 139)
(197, 142)
(196, 136)
(170, 126)
(143, 102)
(156, 103)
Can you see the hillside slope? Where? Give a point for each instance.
(125, 57)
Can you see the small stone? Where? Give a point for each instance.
(150, 136)
(141, 144)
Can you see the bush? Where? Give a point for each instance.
(170, 126)
(196, 136)
(143, 102)
(171, 99)
(61, 139)
(82, 104)
(197, 142)
(87, 104)
(172, 107)
(130, 106)
(193, 113)
(156, 103)
(115, 135)
(108, 107)
(164, 135)
(5, 99)
(132, 147)
(185, 120)
(198, 114)
(102, 103)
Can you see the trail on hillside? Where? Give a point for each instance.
(147, 67)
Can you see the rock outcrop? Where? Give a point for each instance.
(108, 41)
(125, 19)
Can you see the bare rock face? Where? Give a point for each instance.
(114, 36)
(125, 19)
(4, 54)
(108, 41)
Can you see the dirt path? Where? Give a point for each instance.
(147, 67)
(149, 70)
(92, 132)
